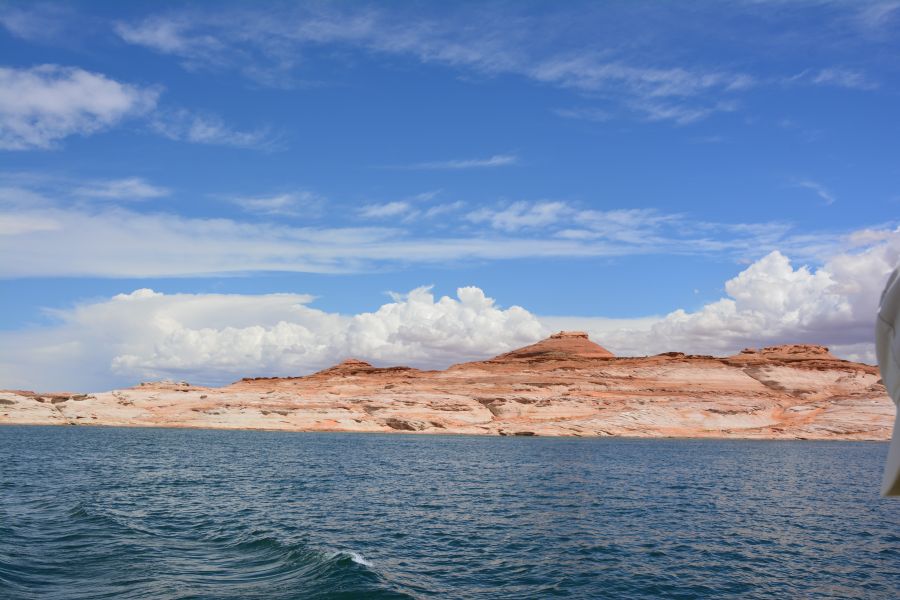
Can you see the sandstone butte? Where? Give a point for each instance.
(565, 385)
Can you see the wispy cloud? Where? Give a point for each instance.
(442, 209)
(168, 34)
(45, 236)
(587, 114)
(188, 126)
(497, 160)
(836, 77)
(845, 78)
(37, 21)
(292, 204)
(675, 110)
(410, 208)
(521, 215)
(42, 105)
(130, 188)
(820, 190)
(877, 15)
(245, 40)
(679, 113)
(385, 210)
(636, 227)
(30, 189)
(595, 73)
(265, 46)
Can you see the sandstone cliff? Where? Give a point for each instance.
(564, 385)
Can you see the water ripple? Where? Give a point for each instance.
(152, 514)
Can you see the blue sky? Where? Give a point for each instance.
(599, 160)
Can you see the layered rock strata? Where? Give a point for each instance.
(565, 385)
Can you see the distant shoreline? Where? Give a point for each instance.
(443, 434)
(563, 386)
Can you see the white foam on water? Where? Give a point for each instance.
(354, 556)
(359, 559)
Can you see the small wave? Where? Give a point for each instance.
(354, 556)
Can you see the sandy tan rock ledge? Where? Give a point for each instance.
(565, 385)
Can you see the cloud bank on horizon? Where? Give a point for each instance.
(217, 338)
(665, 176)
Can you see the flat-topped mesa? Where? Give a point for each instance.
(353, 362)
(166, 385)
(791, 352)
(349, 366)
(802, 356)
(346, 367)
(354, 366)
(799, 352)
(564, 335)
(559, 346)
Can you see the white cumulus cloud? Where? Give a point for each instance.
(772, 302)
(215, 338)
(218, 338)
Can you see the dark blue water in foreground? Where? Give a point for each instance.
(162, 513)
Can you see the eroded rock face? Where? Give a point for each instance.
(564, 385)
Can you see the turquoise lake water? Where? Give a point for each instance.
(165, 513)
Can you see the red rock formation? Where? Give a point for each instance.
(564, 385)
(562, 345)
(349, 366)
